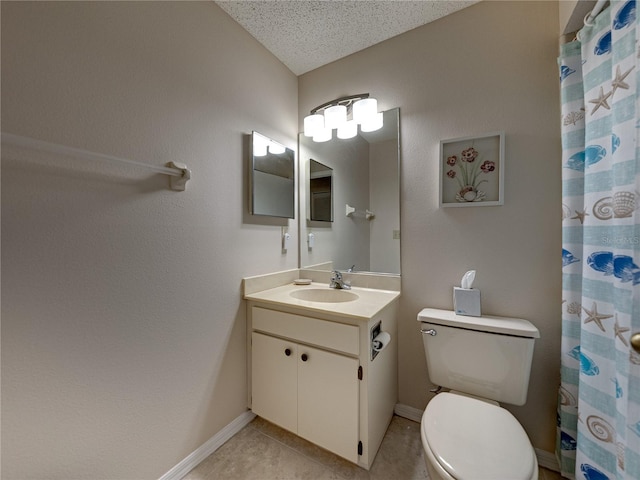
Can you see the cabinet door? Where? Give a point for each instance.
(328, 401)
(274, 394)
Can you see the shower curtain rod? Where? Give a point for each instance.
(179, 173)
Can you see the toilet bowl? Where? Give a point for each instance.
(470, 438)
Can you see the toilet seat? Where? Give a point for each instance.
(474, 439)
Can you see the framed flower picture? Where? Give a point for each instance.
(472, 171)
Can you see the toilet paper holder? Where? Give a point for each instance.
(379, 339)
(375, 331)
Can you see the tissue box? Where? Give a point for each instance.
(466, 301)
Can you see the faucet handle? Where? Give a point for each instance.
(337, 282)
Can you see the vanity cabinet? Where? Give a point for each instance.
(314, 374)
(308, 391)
(275, 380)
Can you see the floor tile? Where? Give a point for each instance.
(400, 455)
(251, 455)
(263, 451)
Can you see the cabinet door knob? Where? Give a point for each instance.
(287, 352)
(635, 341)
(304, 357)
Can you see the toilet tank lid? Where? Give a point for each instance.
(486, 323)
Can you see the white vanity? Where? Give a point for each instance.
(312, 367)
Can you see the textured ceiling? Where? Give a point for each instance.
(305, 35)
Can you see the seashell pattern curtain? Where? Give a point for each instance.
(599, 398)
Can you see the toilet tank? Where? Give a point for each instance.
(487, 356)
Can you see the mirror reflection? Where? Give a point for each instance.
(365, 230)
(320, 208)
(272, 178)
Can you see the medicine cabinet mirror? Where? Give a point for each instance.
(365, 196)
(272, 178)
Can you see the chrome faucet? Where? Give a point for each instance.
(338, 282)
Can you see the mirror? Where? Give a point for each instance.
(365, 195)
(320, 208)
(272, 178)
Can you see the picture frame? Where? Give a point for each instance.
(472, 171)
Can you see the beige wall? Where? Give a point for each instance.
(486, 68)
(571, 14)
(123, 328)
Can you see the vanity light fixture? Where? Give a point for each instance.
(334, 115)
(262, 145)
(276, 148)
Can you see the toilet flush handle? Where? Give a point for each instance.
(431, 332)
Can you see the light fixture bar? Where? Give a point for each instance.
(346, 101)
(333, 115)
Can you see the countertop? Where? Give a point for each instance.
(369, 302)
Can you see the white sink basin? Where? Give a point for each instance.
(324, 295)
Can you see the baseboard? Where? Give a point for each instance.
(411, 413)
(545, 459)
(208, 447)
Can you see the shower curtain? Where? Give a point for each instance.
(599, 400)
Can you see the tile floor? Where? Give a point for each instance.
(262, 451)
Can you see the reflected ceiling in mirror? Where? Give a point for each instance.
(365, 175)
(272, 178)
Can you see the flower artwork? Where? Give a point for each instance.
(471, 171)
(469, 174)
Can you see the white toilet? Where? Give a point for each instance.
(483, 360)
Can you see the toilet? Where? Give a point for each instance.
(484, 360)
